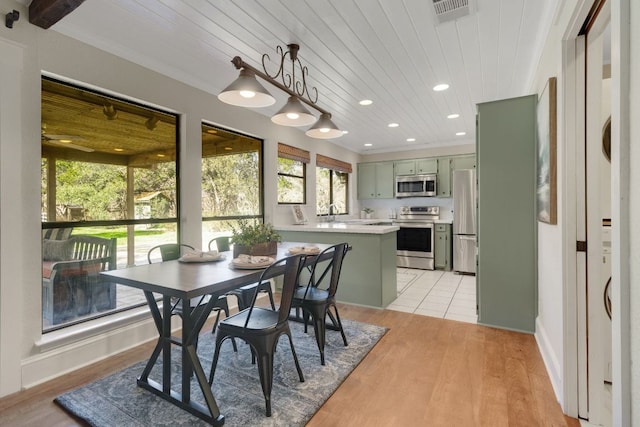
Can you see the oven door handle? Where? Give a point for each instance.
(413, 225)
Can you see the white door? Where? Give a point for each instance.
(595, 327)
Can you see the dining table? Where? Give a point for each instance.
(176, 282)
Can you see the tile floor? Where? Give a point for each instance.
(436, 293)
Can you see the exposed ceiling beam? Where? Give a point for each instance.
(45, 13)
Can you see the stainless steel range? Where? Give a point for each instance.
(415, 237)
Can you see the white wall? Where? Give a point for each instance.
(27, 357)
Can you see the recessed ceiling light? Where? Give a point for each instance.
(366, 102)
(441, 86)
(160, 155)
(344, 132)
(460, 133)
(118, 149)
(411, 139)
(368, 144)
(453, 116)
(65, 141)
(393, 125)
(212, 131)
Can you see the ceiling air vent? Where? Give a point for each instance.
(450, 10)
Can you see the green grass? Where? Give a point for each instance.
(118, 233)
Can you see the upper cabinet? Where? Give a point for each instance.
(416, 167)
(443, 186)
(464, 162)
(375, 180)
(424, 166)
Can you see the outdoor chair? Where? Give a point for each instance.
(262, 327)
(71, 282)
(171, 251)
(318, 297)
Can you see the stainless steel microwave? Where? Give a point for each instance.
(416, 185)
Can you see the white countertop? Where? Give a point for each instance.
(351, 226)
(443, 221)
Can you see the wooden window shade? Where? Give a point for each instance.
(333, 164)
(293, 153)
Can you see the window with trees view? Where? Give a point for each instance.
(292, 174)
(291, 181)
(109, 193)
(231, 181)
(332, 186)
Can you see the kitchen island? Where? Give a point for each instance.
(368, 274)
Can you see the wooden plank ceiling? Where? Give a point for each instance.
(392, 52)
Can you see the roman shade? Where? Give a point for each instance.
(333, 164)
(292, 153)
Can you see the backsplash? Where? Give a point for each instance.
(382, 207)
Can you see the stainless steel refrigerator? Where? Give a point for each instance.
(464, 220)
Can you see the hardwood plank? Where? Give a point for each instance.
(424, 371)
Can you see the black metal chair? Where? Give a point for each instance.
(318, 297)
(245, 293)
(262, 327)
(172, 251)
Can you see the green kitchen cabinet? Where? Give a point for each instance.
(424, 166)
(375, 180)
(443, 186)
(464, 162)
(405, 167)
(442, 251)
(416, 167)
(506, 222)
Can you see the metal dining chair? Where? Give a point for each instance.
(261, 327)
(222, 243)
(318, 297)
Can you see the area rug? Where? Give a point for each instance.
(116, 400)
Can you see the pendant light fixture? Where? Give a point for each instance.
(246, 91)
(293, 114)
(324, 128)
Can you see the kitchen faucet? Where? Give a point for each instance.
(331, 216)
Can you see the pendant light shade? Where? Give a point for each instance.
(293, 114)
(324, 128)
(246, 91)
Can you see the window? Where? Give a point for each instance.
(109, 179)
(231, 180)
(292, 174)
(332, 184)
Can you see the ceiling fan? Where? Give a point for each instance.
(64, 141)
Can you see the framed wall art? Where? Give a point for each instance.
(546, 118)
(299, 216)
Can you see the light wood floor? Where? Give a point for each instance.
(424, 372)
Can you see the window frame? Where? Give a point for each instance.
(303, 177)
(332, 172)
(228, 219)
(130, 223)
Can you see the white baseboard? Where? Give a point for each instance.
(554, 368)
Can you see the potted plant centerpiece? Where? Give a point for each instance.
(255, 239)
